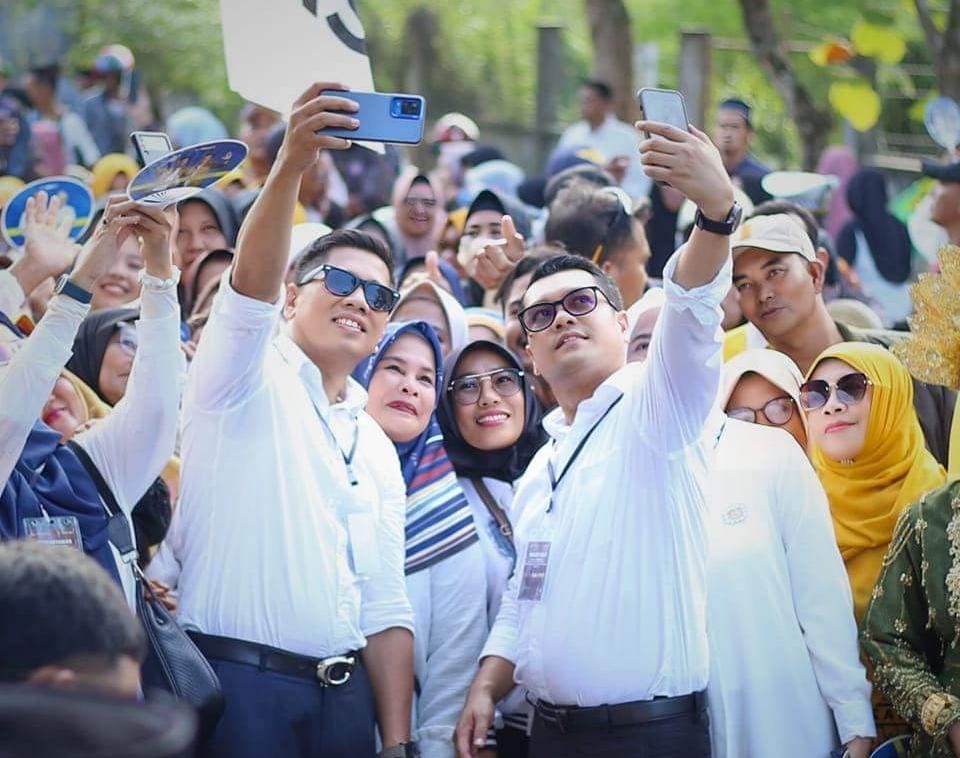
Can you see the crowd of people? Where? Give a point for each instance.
(621, 459)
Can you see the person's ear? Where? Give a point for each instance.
(609, 268)
(53, 676)
(818, 272)
(624, 325)
(533, 361)
(290, 301)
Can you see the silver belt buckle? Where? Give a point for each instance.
(326, 666)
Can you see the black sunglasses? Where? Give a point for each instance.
(341, 283)
(505, 382)
(777, 411)
(850, 390)
(578, 302)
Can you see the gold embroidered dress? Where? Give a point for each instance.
(911, 629)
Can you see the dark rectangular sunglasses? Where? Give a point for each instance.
(341, 283)
(850, 390)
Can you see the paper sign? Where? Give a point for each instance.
(186, 172)
(76, 198)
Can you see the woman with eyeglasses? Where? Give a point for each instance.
(418, 215)
(443, 565)
(490, 419)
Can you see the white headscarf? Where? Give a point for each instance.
(774, 366)
(456, 316)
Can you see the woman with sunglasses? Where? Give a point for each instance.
(443, 565)
(490, 419)
(867, 447)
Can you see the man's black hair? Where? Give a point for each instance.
(601, 88)
(320, 249)
(534, 257)
(58, 607)
(584, 216)
(560, 263)
(48, 75)
(775, 207)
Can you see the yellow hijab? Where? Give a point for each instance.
(893, 470)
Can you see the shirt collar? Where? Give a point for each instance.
(312, 378)
(615, 385)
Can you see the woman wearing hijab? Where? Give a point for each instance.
(418, 214)
(207, 221)
(762, 386)
(204, 279)
(428, 301)
(641, 318)
(490, 419)
(877, 245)
(444, 564)
(415, 269)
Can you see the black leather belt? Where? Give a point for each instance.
(576, 719)
(328, 672)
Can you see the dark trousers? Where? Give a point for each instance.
(271, 714)
(684, 736)
(512, 743)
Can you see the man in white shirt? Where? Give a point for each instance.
(290, 539)
(603, 621)
(615, 140)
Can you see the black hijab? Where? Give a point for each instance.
(221, 208)
(90, 344)
(887, 237)
(508, 464)
(491, 200)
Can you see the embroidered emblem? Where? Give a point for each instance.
(735, 514)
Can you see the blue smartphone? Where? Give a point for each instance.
(383, 117)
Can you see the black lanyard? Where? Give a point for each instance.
(555, 481)
(347, 457)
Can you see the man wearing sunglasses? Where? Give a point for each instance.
(780, 277)
(603, 621)
(293, 502)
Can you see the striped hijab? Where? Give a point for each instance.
(439, 521)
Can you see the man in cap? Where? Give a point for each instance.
(780, 279)
(733, 135)
(945, 198)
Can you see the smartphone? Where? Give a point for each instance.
(664, 106)
(383, 117)
(150, 146)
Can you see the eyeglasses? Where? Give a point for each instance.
(505, 382)
(129, 341)
(426, 202)
(777, 411)
(578, 302)
(850, 390)
(624, 211)
(341, 283)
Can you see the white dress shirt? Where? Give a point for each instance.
(449, 605)
(623, 610)
(785, 673)
(613, 138)
(133, 443)
(12, 298)
(274, 544)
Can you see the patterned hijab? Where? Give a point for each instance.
(439, 521)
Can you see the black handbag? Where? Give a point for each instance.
(173, 662)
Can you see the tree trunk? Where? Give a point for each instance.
(944, 46)
(613, 52)
(812, 123)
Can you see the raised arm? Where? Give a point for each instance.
(131, 446)
(264, 242)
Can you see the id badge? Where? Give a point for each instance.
(362, 528)
(60, 530)
(534, 571)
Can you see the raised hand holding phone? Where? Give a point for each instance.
(312, 113)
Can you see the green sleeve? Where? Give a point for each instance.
(894, 631)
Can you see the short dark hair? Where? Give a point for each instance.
(600, 87)
(59, 606)
(48, 75)
(533, 258)
(559, 263)
(584, 216)
(320, 249)
(775, 207)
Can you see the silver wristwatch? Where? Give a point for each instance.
(403, 750)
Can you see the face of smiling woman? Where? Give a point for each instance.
(493, 422)
(402, 394)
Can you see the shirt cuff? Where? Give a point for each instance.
(382, 616)
(703, 301)
(501, 645)
(156, 304)
(12, 297)
(854, 719)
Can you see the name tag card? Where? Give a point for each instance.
(62, 530)
(534, 571)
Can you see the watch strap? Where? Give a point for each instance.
(726, 227)
(73, 290)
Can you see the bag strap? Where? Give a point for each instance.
(118, 528)
(499, 515)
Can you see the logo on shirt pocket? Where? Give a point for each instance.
(735, 514)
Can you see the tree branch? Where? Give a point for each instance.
(930, 31)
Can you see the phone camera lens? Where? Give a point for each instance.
(410, 108)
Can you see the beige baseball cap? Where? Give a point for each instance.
(780, 233)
